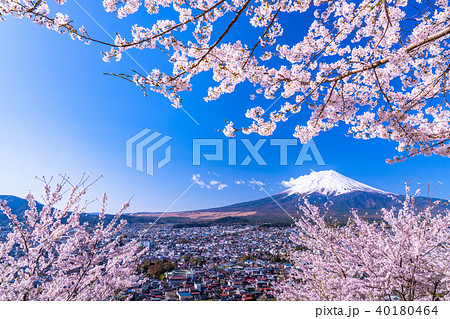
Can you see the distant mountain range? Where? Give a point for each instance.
(337, 192)
(330, 189)
(18, 205)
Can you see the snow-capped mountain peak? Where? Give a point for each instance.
(327, 183)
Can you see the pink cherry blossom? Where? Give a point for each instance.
(379, 67)
(404, 256)
(50, 255)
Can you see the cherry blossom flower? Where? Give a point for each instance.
(379, 67)
(51, 255)
(402, 256)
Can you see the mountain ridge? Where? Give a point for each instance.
(338, 193)
(327, 183)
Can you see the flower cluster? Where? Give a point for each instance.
(404, 256)
(380, 67)
(51, 255)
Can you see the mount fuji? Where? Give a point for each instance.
(327, 183)
(337, 194)
(340, 194)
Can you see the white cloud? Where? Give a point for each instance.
(202, 184)
(288, 183)
(213, 184)
(255, 184)
(239, 182)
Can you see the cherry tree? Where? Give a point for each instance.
(406, 256)
(51, 255)
(378, 66)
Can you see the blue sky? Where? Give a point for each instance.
(61, 115)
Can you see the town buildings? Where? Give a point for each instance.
(215, 263)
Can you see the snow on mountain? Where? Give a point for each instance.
(327, 183)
